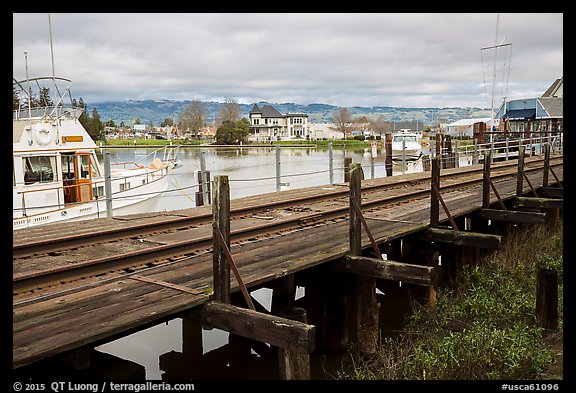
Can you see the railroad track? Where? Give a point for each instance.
(87, 257)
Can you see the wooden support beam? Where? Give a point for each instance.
(387, 270)
(552, 192)
(511, 216)
(462, 238)
(281, 332)
(538, 203)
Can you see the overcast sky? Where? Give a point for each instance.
(347, 59)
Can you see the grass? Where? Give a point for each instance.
(485, 329)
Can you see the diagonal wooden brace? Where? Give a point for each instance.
(530, 185)
(437, 192)
(497, 195)
(224, 246)
(366, 228)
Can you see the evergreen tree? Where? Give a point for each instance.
(233, 133)
(45, 99)
(167, 122)
(93, 125)
(15, 99)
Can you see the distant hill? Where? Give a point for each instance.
(155, 111)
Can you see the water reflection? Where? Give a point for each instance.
(252, 170)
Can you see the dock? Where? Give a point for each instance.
(374, 240)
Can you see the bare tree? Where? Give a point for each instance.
(229, 111)
(342, 120)
(193, 116)
(379, 125)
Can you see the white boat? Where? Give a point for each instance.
(56, 172)
(406, 146)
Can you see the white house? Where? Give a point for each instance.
(324, 131)
(267, 124)
(465, 127)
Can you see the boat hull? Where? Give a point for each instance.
(136, 201)
(408, 154)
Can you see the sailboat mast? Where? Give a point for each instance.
(52, 51)
(29, 92)
(495, 47)
(494, 78)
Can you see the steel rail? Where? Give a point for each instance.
(154, 255)
(171, 223)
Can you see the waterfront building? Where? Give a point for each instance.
(267, 124)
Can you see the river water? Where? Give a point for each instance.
(251, 171)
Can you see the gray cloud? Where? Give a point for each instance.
(416, 60)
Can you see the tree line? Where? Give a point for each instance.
(231, 129)
(93, 124)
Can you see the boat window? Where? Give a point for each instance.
(39, 169)
(83, 165)
(94, 168)
(67, 166)
(406, 138)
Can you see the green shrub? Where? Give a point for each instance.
(484, 329)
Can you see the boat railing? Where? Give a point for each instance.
(503, 149)
(127, 165)
(169, 154)
(53, 107)
(97, 186)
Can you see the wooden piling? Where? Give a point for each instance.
(221, 222)
(547, 299)
(520, 176)
(347, 162)
(293, 365)
(426, 162)
(367, 307)
(388, 162)
(434, 201)
(199, 194)
(486, 181)
(355, 224)
(546, 165)
(283, 292)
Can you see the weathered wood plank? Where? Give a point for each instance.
(539, 203)
(281, 332)
(461, 238)
(511, 216)
(387, 270)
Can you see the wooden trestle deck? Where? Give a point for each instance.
(94, 315)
